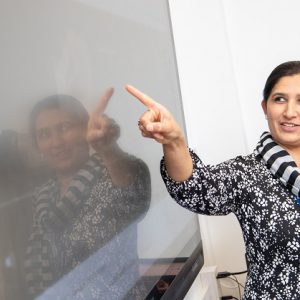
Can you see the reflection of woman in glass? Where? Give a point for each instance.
(89, 200)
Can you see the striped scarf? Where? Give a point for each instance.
(280, 163)
(52, 215)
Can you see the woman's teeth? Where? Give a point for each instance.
(289, 125)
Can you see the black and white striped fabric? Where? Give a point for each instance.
(279, 162)
(51, 215)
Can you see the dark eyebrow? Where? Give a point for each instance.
(282, 95)
(279, 95)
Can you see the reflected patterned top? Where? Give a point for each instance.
(267, 212)
(95, 221)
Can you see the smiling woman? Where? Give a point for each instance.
(262, 189)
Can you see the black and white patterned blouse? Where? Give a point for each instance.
(84, 245)
(266, 210)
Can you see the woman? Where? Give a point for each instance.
(261, 189)
(88, 208)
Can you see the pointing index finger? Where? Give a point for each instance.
(103, 101)
(146, 100)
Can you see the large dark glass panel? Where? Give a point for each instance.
(84, 213)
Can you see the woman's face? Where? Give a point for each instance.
(61, 141)
(283, 112)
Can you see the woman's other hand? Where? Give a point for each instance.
(103, 131)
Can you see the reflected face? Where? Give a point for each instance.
(283, 112)
(61, 140)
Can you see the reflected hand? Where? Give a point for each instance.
(103, 131)
(157, 122)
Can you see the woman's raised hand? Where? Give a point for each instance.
(102, 131)
(157, 122)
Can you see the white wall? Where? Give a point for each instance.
(212, 111)
(225, 50)
(261, 34)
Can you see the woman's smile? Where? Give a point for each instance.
(289, 127)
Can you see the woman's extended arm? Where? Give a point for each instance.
(158, 123)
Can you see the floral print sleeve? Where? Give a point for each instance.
(210, 190)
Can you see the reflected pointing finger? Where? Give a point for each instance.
(103, 101)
